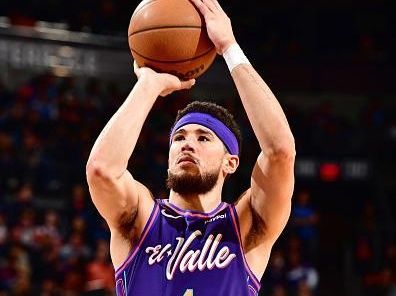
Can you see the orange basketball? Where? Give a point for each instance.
(170, 36)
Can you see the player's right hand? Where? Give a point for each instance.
(218, 24)
(167, 83)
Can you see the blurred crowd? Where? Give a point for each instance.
(50, 251)
(53, 242)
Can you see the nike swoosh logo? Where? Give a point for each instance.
(170, 216)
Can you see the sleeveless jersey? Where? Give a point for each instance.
(187, 253)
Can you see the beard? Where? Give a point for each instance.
(192, 183)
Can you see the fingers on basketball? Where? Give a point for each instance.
(135, 67)
(201, 6)
(211, 5)
(187, 84)
(217, 5)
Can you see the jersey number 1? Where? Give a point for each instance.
(189, 292)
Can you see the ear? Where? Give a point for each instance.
(231, 163)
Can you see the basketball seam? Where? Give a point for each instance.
(177, 61)
(165, 27)
(140, 9)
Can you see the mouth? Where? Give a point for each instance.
(186, 159)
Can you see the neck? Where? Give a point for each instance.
(198, 202)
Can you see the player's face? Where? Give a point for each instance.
(196, 158)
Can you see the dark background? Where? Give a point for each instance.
(330, 64)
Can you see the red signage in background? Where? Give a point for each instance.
(329, 171)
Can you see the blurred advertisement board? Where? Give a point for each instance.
(64, 53)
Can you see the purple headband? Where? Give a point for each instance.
(212, 123)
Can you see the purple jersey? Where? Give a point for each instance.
(187, 253)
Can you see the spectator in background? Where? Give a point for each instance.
(48, 287)
(16, 270)
(79, 226)
(100, 272)
(101, 231)
(304, 289)
(74, 256)
(44, 250)
(22, 286)
(3, 231)
(49, 230)
(24, 199)
(275, 276)
(48, 266)
(301, 277)
(25, 227)
(279, 290)
(80, 205)
(304, 221)
(75, 249)
(390, 256)
(366, 246)
(8, 169)
(382, 280)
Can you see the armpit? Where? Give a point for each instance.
(256, 231)
(127, 225)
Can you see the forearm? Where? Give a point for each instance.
(264, 111)
(116, 142)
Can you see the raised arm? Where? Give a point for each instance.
(264, 208)
(272, 179)
(118, 197)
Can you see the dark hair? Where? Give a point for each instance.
(217, 111)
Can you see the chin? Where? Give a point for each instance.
(187, 174)
(191, 182)
(189, 169)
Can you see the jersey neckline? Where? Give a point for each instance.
(181, 211)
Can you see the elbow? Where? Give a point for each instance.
(285, 151)
(95, 170)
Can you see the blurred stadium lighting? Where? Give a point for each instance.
(58, 26)
(306, 168)
(4, 21)
(329, 171)
(356, 170)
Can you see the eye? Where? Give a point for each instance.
(203, 138)
(178, 138)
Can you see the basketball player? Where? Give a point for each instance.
(192, 243)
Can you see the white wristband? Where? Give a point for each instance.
(234, 56)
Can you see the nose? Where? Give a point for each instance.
(188, 146)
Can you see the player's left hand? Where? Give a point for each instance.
(217, 22)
